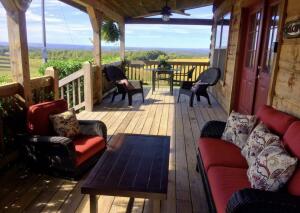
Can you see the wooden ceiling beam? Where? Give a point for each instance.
(102, 7)
(175, 21)
(74, 4)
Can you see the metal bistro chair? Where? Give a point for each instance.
(208, 78)
(186, 76)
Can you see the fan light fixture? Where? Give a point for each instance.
(166, 17)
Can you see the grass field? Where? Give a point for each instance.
(6, 75)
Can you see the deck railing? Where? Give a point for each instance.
(141, 70)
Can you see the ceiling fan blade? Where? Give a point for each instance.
(180, 12)
(153, 13)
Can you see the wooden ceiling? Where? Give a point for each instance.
(134, 8)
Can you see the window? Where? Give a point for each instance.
(221, 43)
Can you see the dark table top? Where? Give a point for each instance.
(132, 166)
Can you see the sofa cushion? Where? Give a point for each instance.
(277, 121)
(259, 138)
(224, 181)
(216, 152)
(272, 168)
(238, 127)
(38, 122)
(87, 146)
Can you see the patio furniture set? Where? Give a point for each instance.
(197, 88)
(137, 166)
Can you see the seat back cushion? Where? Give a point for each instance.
(291, 140)
(38, 122)
(277, 121)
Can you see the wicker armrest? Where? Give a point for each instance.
(213, 129)
(93, 127)
(253, 200)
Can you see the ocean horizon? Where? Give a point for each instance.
(185, 51)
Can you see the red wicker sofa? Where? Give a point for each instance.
(224, 169)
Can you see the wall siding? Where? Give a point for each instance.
(287, 82)
(223, 91)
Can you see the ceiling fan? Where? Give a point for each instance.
(166, 12)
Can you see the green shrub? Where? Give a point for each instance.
(65, 68)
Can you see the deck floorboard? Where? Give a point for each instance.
(159, 115)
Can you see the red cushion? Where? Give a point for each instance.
(86, 147)
(216, 152)
(38, 122)
(224, 181)
(277, 121)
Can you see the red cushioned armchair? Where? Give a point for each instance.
(61, 155)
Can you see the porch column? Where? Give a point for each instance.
(96, 18)
(122, 40)
(18, 46)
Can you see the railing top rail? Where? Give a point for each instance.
(40, 82)
(10, 89)
(71, 78)
(141, 62)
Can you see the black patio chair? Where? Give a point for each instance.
(208, 78)
(124, 86)
(186, 76)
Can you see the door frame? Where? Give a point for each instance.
(242, 45)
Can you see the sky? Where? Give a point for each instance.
(67, 25)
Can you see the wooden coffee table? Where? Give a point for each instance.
(133, 166)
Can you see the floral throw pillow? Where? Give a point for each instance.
(272, 168)
(259, 138)
(238, 128)
(65, 124)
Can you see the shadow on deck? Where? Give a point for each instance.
(23, 190)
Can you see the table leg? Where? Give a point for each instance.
(171, 84)
(156, 206)
(153, 81)
(93, 204)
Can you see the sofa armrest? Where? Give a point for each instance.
(93, 127)
(253, 200)
(213, 129)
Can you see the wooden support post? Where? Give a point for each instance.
(88, 86)
(96, 22)
(122, 40)
(18, 46)
(51, 71)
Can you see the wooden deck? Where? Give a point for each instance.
(25, 191)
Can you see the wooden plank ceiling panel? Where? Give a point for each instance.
(133, 8)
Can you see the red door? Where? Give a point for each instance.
(258, 57)
(250, 61)
(267, 55)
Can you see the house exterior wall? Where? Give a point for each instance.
(285, 89)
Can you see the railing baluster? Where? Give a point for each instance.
(79, 90)
(73, 91)
(68, 95)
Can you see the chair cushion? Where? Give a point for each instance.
(216, 152)
(259, 138)
(65, 124)
(38, 122)
(87, 146)
(238, 128)
(224, 181)
(271, 118)
(272, 168)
